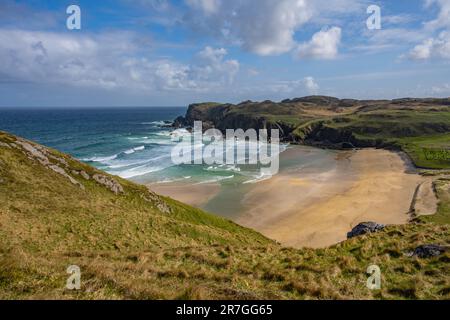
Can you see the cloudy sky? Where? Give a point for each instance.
(175, 52)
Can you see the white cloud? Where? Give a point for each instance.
(443, 19)
(264, 27)
(207, 6)
(432, 48)
(395, 36)
(311, 85)
(323, 45)
(397, 19)
(300, 87)
(211, 64)
(106, 61)
(443, 89)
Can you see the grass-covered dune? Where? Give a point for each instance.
(133, 244)
(407, 124)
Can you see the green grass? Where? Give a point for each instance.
(442, 187)
(414, 132)
(416, 148)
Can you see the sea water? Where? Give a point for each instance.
(133, 143)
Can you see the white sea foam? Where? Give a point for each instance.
(101, 159)
(140, 171)
(223, 168)
(131, 151)
(257, 179)
(179, 134)
(216, 179)
(164, 133)
(154, 123)
(173, 180)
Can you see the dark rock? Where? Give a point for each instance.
(429, 250)
(348, 145)
(365, 227)
(179, 122)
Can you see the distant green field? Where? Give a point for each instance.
(422, 135)
(428, 151)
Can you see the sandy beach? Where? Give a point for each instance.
(375, 187)
(306, 208)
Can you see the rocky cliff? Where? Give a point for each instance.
(329, 121)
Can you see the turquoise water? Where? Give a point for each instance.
(296, 162)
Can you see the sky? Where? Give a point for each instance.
(177, 52)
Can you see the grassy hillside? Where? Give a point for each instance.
(133, 244)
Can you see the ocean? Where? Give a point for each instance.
(129, 142)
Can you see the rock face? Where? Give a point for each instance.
(320, 120)
(5, 145)
(108, 182)
(179, 122)
(43, 156)
(156, 200)
(429, 250)
(363, 228)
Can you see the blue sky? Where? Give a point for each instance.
(175, 52)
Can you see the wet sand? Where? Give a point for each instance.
(306, 208)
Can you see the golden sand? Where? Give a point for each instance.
(373, 187)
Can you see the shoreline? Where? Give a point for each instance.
(316, 209)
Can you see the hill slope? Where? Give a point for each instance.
(133, 244)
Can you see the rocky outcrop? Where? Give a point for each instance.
(364, 228)
(157, 201)
(108, 182)
(429, 250)
(43, 156)
(227, 116)
(60, 166)
(179, 122)
(62, 172)
(84, 175)
(5, 145)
